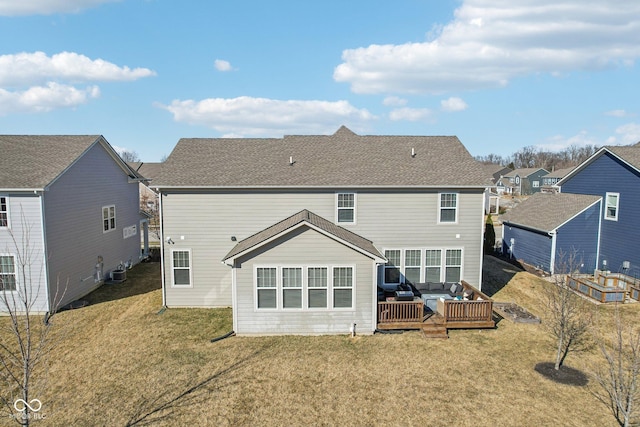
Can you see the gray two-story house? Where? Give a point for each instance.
(297, 233)
(69, 215)
(526, 181)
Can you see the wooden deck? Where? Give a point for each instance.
(451, 314)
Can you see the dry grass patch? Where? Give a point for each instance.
(125, 363)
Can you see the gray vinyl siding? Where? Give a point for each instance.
(305, 247)
(25, 225)
(73, 218)
(204, 222)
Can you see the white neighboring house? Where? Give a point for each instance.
(297, 233)
(70, 203)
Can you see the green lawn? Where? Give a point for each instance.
(120, 361)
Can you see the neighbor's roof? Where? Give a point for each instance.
(32, 162)
(559, 173)
(305, 217)
(146, 169)
(629, 154)
(548, 211)
(342, 159)
(524, 172)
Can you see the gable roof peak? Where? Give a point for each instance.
(344, 131)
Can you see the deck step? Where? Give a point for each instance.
(434, 331)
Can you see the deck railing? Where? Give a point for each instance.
(466, 311)
(401, 311)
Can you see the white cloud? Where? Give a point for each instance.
(453, 104)
(45, 98)
(628, 134)
(247, 116)
(222, 65)
(46, 7)
(410, 114)
(617, 113)
(35, 82)
(394, 101)
(560, 142)
(490, 42)
(36, 68)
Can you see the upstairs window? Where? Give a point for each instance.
(448, 207)
(7, 273)
(611, 208)
(346, 208)
(536, 184)
(108, 218)
(4, 213)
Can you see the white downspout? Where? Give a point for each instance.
(552, 261)
(162, 242)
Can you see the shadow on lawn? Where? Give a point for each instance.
(496, 273)
(141, 279)
(160, 408)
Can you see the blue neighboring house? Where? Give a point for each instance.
(613, 173)
(548, 228)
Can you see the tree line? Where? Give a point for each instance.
(533, 157)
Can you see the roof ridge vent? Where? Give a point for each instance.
(291, 161)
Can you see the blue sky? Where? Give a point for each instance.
(498, 74)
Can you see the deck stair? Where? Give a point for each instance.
(434, 327)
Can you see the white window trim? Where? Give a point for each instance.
(15, 272)
(606, 205)
(423, 266)
(115, 218)
(173, 279)
(8, 226)
(440, 207)
(399, 267)
(536, 184)
(281, 288)
(355, 207)
(305, 288)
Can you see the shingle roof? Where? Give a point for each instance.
(34, 161)
(523, 172)
(548, 211)
(147, 170)
(293, 221)
(559, 173)
(341, 159)
(630, 154)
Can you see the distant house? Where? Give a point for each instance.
(504, 186)
(526, 181)
(71, 203)
(613, 173)
(550, 181)
(297, 234)
(546, 230)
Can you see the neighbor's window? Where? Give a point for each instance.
(453, 265)
(433, 262)
(346, 208)
(448, 207)
(536, 184)
(392, 267)
(611, 210)
(108, 218)
(7, 273)
(317, 287)
(267, 284)
(412, 265)
(342, 287)
(181, 267)
(292, 287)
(4, 212)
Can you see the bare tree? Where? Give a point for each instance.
(129, 156)
(25, 338)
(569, 317)
(618, 375)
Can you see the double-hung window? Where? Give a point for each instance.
(346, 208)
(612, 205)
(342, 287)
(4, 212)
(317, 287)
(292, 287)
(453, 265)
(7, 273)
(108, 218)
(392, 266)
(433, 262)
(412, 265)
(448, 206)
(266, 284)
(181, 267)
